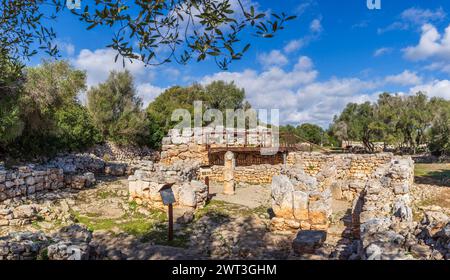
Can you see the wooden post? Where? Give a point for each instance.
(207, 183)
(170, 237)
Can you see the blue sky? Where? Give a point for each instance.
(334, 53)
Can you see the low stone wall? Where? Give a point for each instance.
(70, 243)
(349, 170)
(301, 197)
(349, 166)
(145, 184)
(254, 174)
(27, 180)
(386, 216)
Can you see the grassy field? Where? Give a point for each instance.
(432, 172)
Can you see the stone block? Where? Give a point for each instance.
(319, 212)
(300, 205)
(307, 241)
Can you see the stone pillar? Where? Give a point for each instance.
(228, 173)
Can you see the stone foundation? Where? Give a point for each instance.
(302, 194)
(146, 182)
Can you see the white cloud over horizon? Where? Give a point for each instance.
(100, 62)
(413, 17)
(431, 45)
(291, 86)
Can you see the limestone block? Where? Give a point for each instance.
(400, 187)
(187, 196)
(300, 205)
(319, 212)
(336, 190)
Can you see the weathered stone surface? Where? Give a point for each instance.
(282, 196)
(187, 196)
(307, 241)
(300, 205)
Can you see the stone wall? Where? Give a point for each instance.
(386, 218)
(27, 180)
(145, 184)
(301, 196)
(254, 174)
(192, 144)
(70, 243)
(351, 170)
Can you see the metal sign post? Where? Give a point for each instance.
(168, 199)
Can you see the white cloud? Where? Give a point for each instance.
(420, 16)
(66, 47)
(436, 88)
(99, 63)
(315, 29)
(297, 93)
(316, 25)
(274, 58)
(304, 63)
(414, 17)
(406, 78)
(431, 44)
(293, 46)
(438, 66)
(148, 92)
(382, 51)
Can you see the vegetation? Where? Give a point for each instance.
(154, 32)
(407, 122)
(217, 95)
(116, 110)
(41, 113)
(311, 133)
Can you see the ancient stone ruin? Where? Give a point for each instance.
(307, 194)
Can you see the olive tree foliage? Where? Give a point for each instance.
(218, 95)
(407, 122)
(11, 81)
(153, 31)
(49, 87)
(440, 130)
(116, 109)
(42, 112)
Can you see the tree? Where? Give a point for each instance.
(311, 132)
(221, 95)
(116, 109)
(216, 95)
(440, 129)
(11, 82)
(361, 123)
(44, 112)
(154, 32)
(48, 87)
(75, 128)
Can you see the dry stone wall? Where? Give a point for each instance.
(191, 144)
(301, 196)
(72, 242)
(254, 174)
(386, 218)
(145, 184)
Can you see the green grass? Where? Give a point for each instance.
(106, 194)
(432, 171)
(151, 227)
